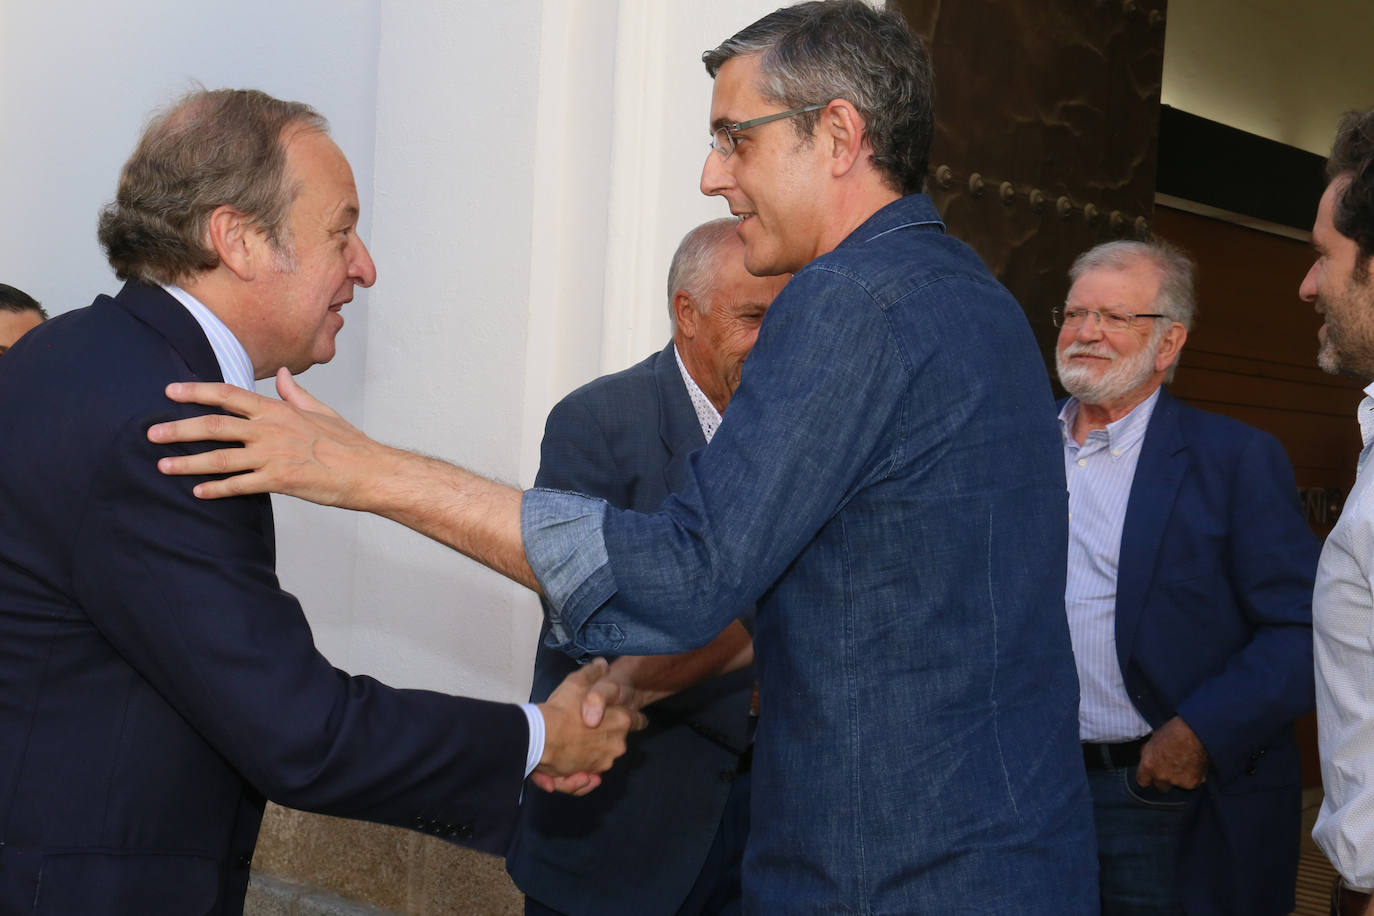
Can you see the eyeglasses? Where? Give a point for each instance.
(723, 138)
(1110, 321)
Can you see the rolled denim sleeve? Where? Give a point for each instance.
(566, 548)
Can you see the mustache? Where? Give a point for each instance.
(1078, 348)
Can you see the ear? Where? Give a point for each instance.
(686, 311)
(842, 131)
(1170, 346)
(234, 240)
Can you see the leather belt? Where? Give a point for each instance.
(1347, 901)
(1112, 756)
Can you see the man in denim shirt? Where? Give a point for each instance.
(888, 488)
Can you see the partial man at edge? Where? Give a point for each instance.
(19, 314)
(675, 810)
(1189, 600)
(158, 684)
(889, 489)
(1340, 285)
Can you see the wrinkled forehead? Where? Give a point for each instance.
(1127, 284)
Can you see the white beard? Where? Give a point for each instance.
(1121, 376)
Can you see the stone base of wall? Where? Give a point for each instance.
(306, 863)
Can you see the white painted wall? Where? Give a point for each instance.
(525, 170)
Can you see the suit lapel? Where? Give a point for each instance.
(156, 308)
(678, 425)
(1159, 472)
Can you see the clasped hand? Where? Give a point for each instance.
(585, 724)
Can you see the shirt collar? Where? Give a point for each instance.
(1365, 414)
(707, 415)
(903, 213)
(1121, 434)
(234, 365)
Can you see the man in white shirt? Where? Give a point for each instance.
(1339, 286)
(1188, 595)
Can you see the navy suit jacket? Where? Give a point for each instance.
(156, 684)
(636, 845)
(1213, 623)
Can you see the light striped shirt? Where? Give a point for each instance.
(1099, 474)
(1343, 648)
(234, 364)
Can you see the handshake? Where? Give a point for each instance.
(585, 723)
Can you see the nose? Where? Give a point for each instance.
(361, 270)
(715, 174)
(1307, 290)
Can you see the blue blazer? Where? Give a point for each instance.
(625, 438)
(156, 684)
(1213, 623)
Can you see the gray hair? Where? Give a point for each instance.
(694, 267)
(209, 149)
(813, 53)
(1176, 298)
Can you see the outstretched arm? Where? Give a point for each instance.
(300, 447)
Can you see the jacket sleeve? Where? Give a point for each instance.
(1271, 562)
(185, 590)
(771, 478)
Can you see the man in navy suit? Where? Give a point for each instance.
(1189, 601)
(156, 684)
(675, 811)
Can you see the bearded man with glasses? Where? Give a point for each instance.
(1189, 598)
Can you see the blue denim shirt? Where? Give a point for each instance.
(888, 486)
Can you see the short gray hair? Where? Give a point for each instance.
(694, 263)
(210, 148)
(1173, 266)
(814, 53)
(1176, 298)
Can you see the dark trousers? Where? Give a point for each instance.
(1348, 902)
(717, 888)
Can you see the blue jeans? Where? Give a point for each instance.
(1137, 843)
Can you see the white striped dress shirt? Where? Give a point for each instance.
(233, 360)
(1343, 649)
(1099, 475)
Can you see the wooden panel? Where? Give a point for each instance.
(1058, 99)
(1252, 354)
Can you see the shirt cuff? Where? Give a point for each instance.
(564, 545)
(536, 748)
